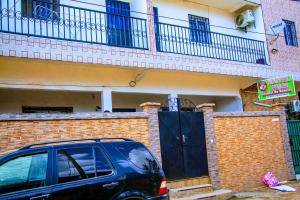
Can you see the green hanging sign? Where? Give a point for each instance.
(276, 88)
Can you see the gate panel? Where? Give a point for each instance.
(194, 144)
(183, 144)
(170, 142)
(294, 134)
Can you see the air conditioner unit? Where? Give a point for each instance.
(295, 106)
(245, 19)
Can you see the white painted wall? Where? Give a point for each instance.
(176, 12)
(67, 75)
(229, 104)
(98, 5)
(11, 101)
(138, 9)
(154, 85)
(134, 100)
(223, 103)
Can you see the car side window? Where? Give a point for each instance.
(75, 164)
(25, 172)
(81, 163)
(138, 155)
(103, 166)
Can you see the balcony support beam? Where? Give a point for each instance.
(152, 44)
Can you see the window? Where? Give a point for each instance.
(79, 163)
(138, 155)
(23, 173)
(119, 23)
(124, 110)
(103, 166)
(290, 33)
(199, 29)
(41, 9)
(33, 109)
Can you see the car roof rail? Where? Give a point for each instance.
(75, 140)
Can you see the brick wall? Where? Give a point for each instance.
(288, 57)
(249, 97)
(242, 147)
(19, 130)
(249, 145)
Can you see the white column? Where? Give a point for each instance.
(239, 103)
(172, 100)
(106, 100)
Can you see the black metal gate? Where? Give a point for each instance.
(183, 146)
(294, 134)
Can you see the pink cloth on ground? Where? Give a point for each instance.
(270, 180)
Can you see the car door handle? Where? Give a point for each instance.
(44, 196)
(111, 185)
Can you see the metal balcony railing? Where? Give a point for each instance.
(187, 41)
(57, 21)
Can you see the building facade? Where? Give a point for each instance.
(96, 59)
(74, 56)
(283, 49)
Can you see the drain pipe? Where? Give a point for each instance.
(262, 104)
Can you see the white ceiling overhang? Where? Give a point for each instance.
(229, 5)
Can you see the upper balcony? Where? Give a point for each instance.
(191, 41)
(112, 26)
(200, 28)
(207, 29)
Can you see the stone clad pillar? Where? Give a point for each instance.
(211, 146)
(281, 107)
(172, 102)
(153, 127)
(152, 44)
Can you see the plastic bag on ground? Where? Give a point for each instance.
(270, 180)
(284, 188)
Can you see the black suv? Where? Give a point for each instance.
(108, 168)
